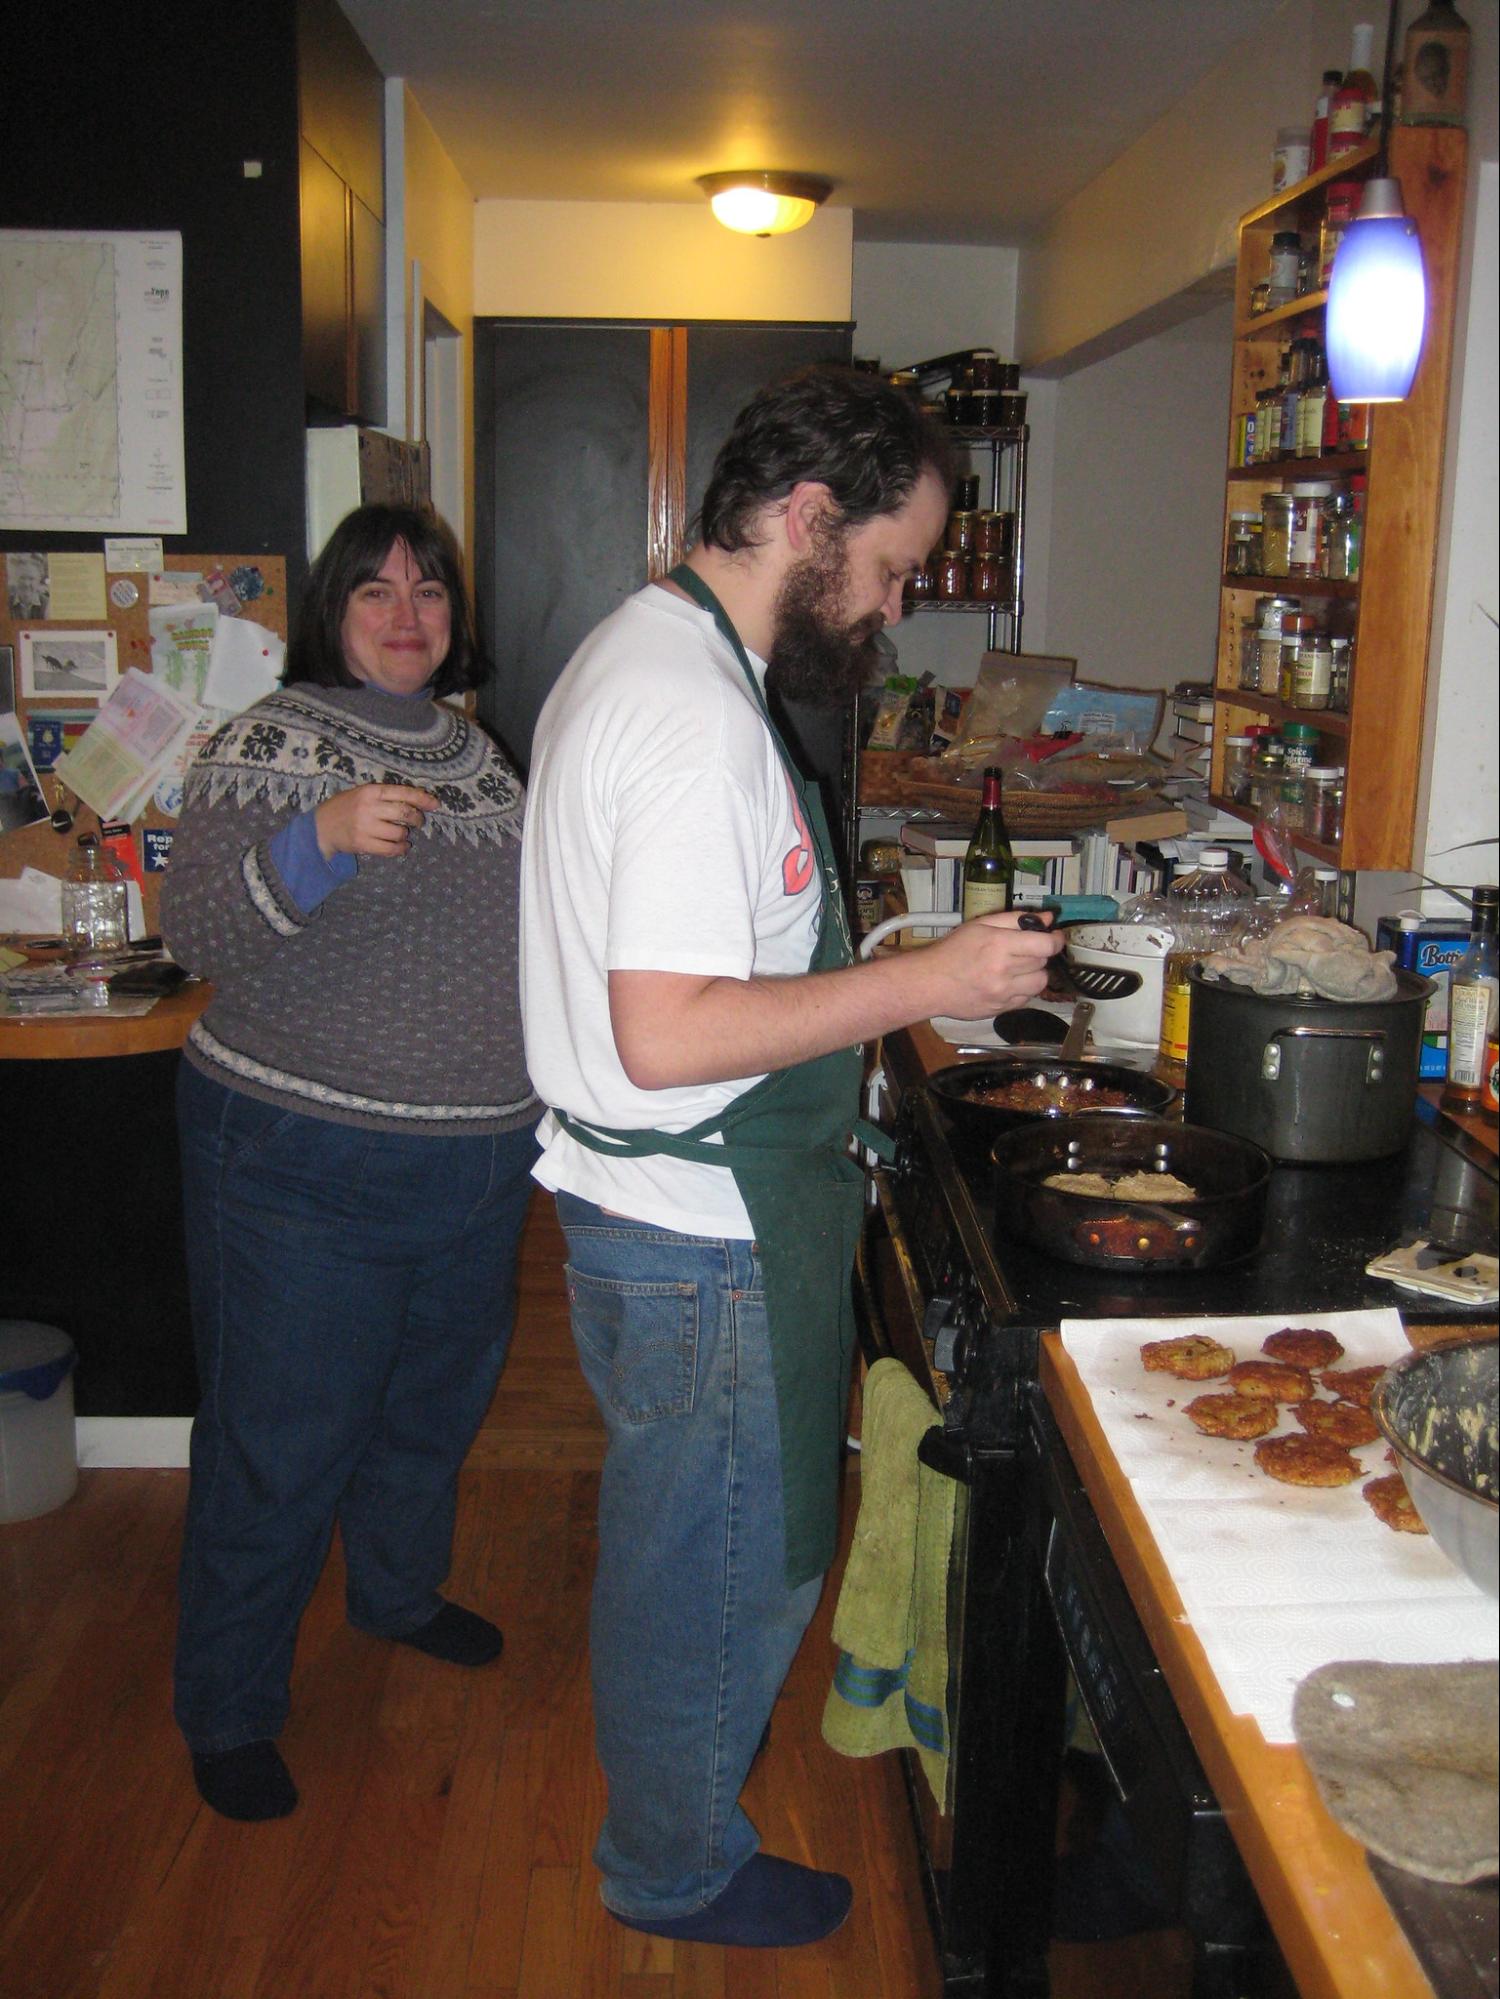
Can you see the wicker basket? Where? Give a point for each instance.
(1028, 814)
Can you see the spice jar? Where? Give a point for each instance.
(1269, 612)
(1249, 655)
(1312, 672)
(1267, 769)
(1342, 207)
(1281, 270)
(1323, 803)
(1340, 668)
(1296, 628)
(952, 574)
(1237, 768)
(1299, 746)
(1276, 534)
(1243, 555)
(1305, 552)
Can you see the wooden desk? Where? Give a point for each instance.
(1331, 1921)
(90, 1037)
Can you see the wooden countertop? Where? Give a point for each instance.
(1332, 1923)
(92, 1036)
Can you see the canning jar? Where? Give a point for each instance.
(952, 574)
(960, 535)
(921, 585)
(992, 532)
(1243, 554)
(987, 578)
(1323, 803)
(1276, 534)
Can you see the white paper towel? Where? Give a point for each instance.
(1276, 1579)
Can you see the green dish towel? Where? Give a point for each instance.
(890, 1686)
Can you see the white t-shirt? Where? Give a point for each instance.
(662, 834)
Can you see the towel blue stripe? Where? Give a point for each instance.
(873, 1686)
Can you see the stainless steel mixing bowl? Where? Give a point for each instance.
(1437, 1411)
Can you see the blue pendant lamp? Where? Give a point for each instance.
(1377, 292)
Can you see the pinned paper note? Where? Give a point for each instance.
(244, 664)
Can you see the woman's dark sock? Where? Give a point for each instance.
(460, 1636)
(250, 1782)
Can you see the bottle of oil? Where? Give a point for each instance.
(1208, 906)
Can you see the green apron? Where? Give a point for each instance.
(786, 1142)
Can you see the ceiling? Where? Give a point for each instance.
(942, 121)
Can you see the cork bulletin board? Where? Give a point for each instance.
(259, 587)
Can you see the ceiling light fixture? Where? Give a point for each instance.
(757, 202)
(1377, 290)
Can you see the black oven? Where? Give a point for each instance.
(1035, 1599)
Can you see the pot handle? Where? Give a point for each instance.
(1270, 1061)
(1147, 1234)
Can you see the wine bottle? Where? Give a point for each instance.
(1473, 998)
(989, 865)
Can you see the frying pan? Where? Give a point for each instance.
(1224, 1219)
(954, 1088)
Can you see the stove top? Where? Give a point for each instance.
(1323, 1225)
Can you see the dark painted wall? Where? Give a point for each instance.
(123, 121)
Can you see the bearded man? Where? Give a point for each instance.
(695, 1022)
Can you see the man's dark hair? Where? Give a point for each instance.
(868, 443)
(354, 554)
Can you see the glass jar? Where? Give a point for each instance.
(1340, 673)
(1269, 612)
(987, 578)
(921, 585)
(1305, 552)
(1297, 628)
(1312, 672)
(1249, 656)
(992, 533)
(1281, 270)
(960, 535)
(1237, 768)
(1267, 769)
(1323, 806)
(1341, 209)
(1276, 534)
(952, 574)
(1243, 554)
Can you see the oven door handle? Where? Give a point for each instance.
(942, 1451)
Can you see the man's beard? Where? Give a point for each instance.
(814, 657)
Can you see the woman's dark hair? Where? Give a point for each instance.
(867, 442)
(354, 554)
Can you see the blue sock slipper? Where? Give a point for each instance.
(771, 1904)
(250, 1782)
(461, 1637)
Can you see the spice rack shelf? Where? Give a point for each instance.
(1293, 586)
(1317, 850)
(1388, 611)
(1328, 721)
(1006, 607)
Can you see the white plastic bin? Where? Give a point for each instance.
(38, 1448)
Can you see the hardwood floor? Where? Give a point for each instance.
(441, 1849)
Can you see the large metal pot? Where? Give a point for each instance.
(1315, 1081)
(1222, 1221)
(955, 1089)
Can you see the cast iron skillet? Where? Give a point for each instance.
(1223, 1221)
(954, 1089)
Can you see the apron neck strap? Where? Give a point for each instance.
(690, 581)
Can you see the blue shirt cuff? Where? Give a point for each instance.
(307, 877)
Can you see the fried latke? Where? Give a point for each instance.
(1275, 1379)
(1340, 1422)
(1193, 1357)
(1299, 1460)
(1351, 1384)
(1230, 1415)
(1303, 1346)
(1390, 1500)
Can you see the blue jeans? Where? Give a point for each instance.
(693, 1629)
(353, 1294)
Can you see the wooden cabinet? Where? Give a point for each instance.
(1388, 611)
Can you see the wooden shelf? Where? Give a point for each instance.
(1353, 165)
(1329, 721)
(1317, 850)
(1268, 322)
(1333, 465)
(1293, 586)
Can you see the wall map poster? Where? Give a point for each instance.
(91, 382)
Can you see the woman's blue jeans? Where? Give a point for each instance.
(693, 1628)
(353, 1294)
